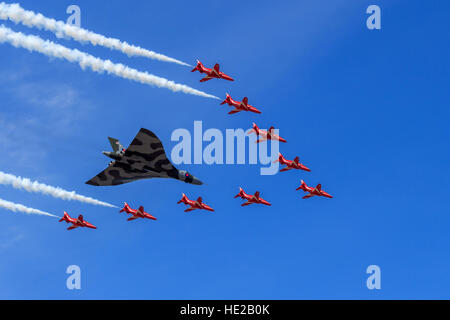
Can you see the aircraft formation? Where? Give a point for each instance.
(146, 158)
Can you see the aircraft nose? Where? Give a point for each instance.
(197, 182)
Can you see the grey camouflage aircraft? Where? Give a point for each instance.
(145, 158)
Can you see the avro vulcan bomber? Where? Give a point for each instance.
(145, 158)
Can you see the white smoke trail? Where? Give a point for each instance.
(51, 49)
(14, 207)
(36, 187)
(17, 14)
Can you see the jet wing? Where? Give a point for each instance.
(145, 158)
(234, 111)
(118, 174)
(147, 152)
(207, 78)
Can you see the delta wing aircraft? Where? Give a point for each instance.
(145, 158)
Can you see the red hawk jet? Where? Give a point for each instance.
(294, 164)
(136, 214)
(266, 135)
(194, 204)
(313, 191)
(76, 223)
(251, 199)
(211, 73)
(239, 105)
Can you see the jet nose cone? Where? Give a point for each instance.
(197, 182)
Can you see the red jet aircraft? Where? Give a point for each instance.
(239, 105)
(294, 164)
(194, 204)
(251, 199)
(266, 135)
(140, 213)
(211, 73)
(76, 223)
(313, 191)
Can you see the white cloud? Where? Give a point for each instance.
(40, 112)
(10, 237)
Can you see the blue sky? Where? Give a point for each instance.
(367, 111)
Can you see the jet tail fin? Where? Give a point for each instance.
(183, 199)
(197, 67)
(115, 145)
(302, 186)
(280, 159)
(241, 192)
(125, 207)
(227, 100)
(255, 129)
(65, 217)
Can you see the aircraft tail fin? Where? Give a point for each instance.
(217, 67)
(200, 200)
(319, 187)
(141, 209)
(115, 145)
(183, 199)
(198, 66)
(255, 129)
(280, 159)
(227, 100)
(240, 194)
(65, 217)
(125, 207)
(303, 186)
